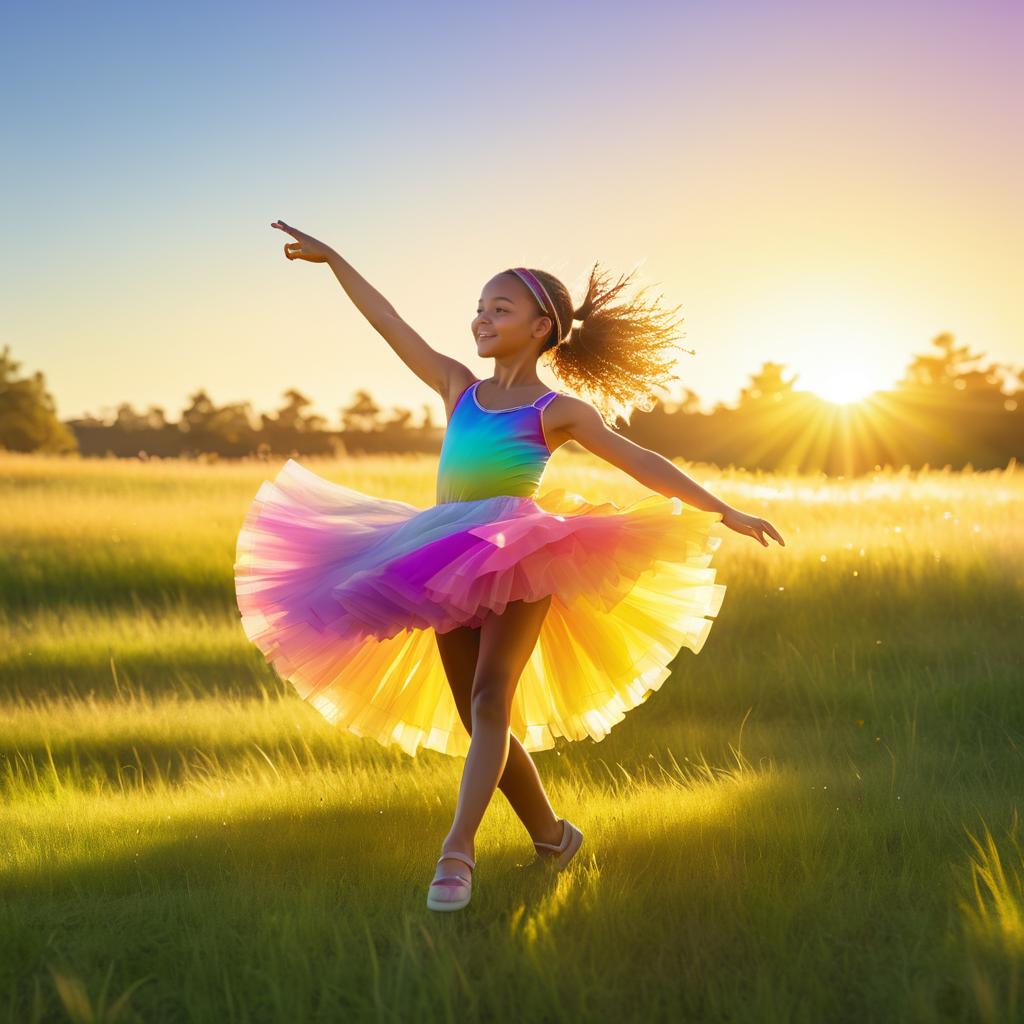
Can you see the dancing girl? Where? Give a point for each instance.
(496, 620)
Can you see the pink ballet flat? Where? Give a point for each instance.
(451, 892)
(564, 851)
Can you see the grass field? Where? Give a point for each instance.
(814, 820)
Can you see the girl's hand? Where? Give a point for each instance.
(305, 247)
(751, 526)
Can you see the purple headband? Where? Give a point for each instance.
(540, 293)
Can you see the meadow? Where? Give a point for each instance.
(815, 819)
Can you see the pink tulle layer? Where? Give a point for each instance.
(343, 592)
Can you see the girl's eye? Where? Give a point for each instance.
(500, 309)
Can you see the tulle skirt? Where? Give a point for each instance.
(344, 591)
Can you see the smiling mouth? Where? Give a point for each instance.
(481, 336)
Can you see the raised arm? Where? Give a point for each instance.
(435, 369)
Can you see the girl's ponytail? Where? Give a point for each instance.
(617, 356)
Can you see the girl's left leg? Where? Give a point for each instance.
(520, 782)
(506, 643)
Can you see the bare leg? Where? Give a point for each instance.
(506, 642)
(520, 781)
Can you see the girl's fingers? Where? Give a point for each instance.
(757, 528)
(772, 532)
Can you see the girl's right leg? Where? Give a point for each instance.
(520, 781)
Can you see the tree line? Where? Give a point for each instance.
(947, 410)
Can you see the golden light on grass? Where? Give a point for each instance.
(153, 768)
(995, 915)
(993, 923)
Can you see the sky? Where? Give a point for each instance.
(825, 185)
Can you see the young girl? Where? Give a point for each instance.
(499, 618)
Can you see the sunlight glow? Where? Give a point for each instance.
(841, 385)
(840, 336)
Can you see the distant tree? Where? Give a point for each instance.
(399, 419)
(767, 385)
(952, 369)
(233, 423)
(28, 413)
(362, 414)
(155, 418)
(196, 418)
(292, 415)
(128, 420)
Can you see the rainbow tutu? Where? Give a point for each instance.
(343, 591)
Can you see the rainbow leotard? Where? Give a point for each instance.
(491, 452)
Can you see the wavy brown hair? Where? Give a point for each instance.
(619, 353)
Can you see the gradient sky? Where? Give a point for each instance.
(827, 185)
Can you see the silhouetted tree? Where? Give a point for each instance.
(362, 414)
(948, 410)
(28, 413)
(196, 418)
(292, 415)
(155, 418)
(398, 420)
(952, 364)
(235, 424)
(767, 385)
(128, 420)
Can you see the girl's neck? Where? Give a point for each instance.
(507, 382)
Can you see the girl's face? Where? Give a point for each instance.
(507, 318)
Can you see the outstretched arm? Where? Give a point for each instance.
(434, 368)
(585, 425)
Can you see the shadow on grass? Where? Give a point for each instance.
(740, 900)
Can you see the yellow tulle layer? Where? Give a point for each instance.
(591, 663)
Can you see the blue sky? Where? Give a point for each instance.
(812, 184)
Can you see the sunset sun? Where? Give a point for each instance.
(840, 385)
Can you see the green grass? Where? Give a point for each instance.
(816, 819)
